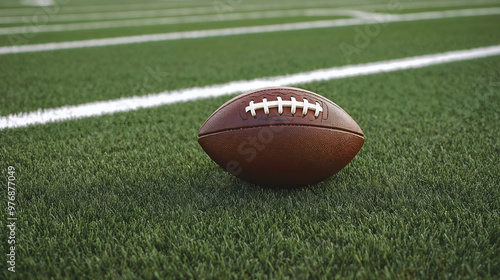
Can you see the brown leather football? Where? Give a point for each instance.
(281, 137)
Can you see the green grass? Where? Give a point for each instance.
(133, 195)
(43, 80)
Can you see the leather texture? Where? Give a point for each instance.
(281, 150)
(232, 114)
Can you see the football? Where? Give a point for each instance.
(281, 137)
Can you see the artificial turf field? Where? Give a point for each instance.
(132, 195)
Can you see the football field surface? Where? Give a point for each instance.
(103, 178)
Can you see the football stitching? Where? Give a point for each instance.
(280, 103)
(296, 90)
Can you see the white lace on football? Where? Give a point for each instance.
(280, 103)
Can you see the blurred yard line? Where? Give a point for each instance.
(184, 19)
(104, 7)
(145, 14)
(127, 11)
(183, 95)
(117, 15)
(424, 4)
(193, 19)
(385, 18)
(39, 3)
(209, 5)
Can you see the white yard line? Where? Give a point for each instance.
(68, 8)
(144, 14)
(117, 15)
(186, 19)
(178, 36)
(422, 5)
(188, 14)
(38, 3)
(184, 95)
(208, 6)
(380, 18)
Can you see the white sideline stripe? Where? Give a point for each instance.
(186, 19)
(379, 18)
(184, 95)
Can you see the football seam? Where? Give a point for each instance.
(294, 125)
